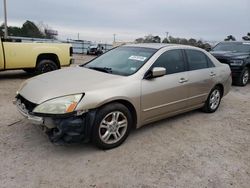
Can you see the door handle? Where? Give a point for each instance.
(212, 74)
(183, 80)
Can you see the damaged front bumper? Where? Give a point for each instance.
(68, 129)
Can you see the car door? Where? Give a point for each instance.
(167, 94)
(201, 76)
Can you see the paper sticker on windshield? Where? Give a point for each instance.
(246, 43)
(137, 58)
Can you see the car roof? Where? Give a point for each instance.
(236, 42)
(153, 45)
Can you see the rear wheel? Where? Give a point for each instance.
(46, 65)
(244, 77)
(112, 126)
(213, 100)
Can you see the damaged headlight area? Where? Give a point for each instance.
(60, 105)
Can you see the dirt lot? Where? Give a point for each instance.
(190, 150)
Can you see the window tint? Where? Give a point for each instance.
(196, 59)
(171, 60)
(210, 63)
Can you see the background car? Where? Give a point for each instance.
(125, 88)
(237, 56)
(95, 50)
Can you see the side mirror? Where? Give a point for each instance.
(155, 72)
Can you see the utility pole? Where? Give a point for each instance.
(5, 20)
(166, 35)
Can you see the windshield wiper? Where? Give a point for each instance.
(103, 69)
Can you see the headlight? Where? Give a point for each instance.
(61, 105)
(236, 62)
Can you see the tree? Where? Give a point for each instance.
(28, 29)
(247, 37)
(230, 38)
(165, 40)
(149, 39)
(139, 40)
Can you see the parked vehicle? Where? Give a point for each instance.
(95, 50)
(237, 56)
(34, 57)
(125, 88)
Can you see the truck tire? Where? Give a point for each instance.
(46, 65)
(244, 77)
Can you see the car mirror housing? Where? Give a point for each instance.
(155, 72)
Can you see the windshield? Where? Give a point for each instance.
(122, 60)
(233, 47)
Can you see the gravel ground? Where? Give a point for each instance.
(190, 150)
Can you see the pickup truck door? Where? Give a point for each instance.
(1, 56)
(19, 55)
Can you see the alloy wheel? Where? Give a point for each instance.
(245, 77)
(214, 99)
(113, 127)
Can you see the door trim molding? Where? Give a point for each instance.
(171, 103)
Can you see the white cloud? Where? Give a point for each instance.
(100, 19)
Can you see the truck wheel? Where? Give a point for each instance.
(30, 70)
(112, 126)
(244, 77)
(46, 65)
(213, 100)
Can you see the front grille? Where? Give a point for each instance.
(223, 60)
(29, 105)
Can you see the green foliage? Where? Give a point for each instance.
(230, 38)
(247, 37)
(191, 42)
(149, 39)
(28, 29)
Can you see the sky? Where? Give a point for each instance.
(98, 20)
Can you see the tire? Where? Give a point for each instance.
(244, 77)
(213, 100)
(46, 65)
(107, 133)
(30, 70)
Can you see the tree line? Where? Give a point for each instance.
(28, 29)
(174, 40)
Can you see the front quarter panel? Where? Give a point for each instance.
(129, 90)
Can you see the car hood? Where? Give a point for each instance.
(230, 54)
(66, 82)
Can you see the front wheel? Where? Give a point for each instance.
(213, 100)
(112, 126)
